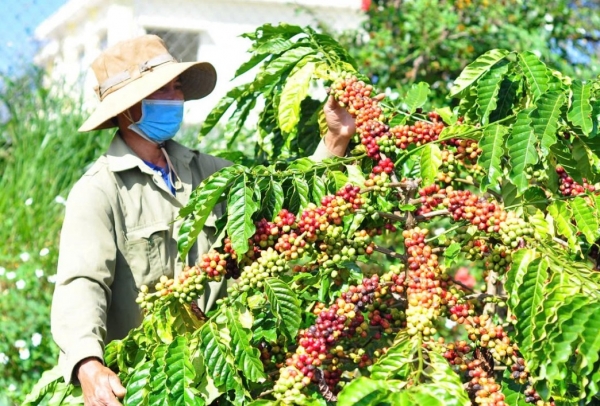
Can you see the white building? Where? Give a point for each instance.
(207, 30)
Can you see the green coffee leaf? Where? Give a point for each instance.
(218, 357)
(302, 191)
(284, 305)
(138, 387)
(416, 96)
(531, 296)
(536, 73)
(222, 106)
(544, 118)
(363, 392)
(476, 69)
(203, 200)
(492, 146)
(586, 219)
(240, 209)
(158, 377)
(522, 150)
(562, 215)
(488, 88)
(181, 373)
(580, 113)
(397, 361)
(431, 160)
(273, 199)
(246, 356)
(294, 91)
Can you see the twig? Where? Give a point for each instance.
(323, 387)
(462, 285)
(493, 289)
(391, 216)
(405, 185)
(425, 216)
(390, 253)
(265, 393)
(482, 296)
(561, 242)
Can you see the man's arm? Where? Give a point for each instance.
(82, 294)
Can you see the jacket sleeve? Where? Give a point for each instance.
(86, 267)
(322, 152)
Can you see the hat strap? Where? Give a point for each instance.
(175, 180)
(124, 76)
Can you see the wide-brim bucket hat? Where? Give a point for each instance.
(133, 69)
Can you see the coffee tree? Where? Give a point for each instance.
(342, 274)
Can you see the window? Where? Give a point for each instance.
(183, 45)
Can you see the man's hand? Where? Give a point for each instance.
(100, 385)
(341, 127)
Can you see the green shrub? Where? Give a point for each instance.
(41, 156)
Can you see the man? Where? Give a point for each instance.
(119, 231)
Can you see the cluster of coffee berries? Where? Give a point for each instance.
(499, 259)
(268, 232)
(482, 386)
(531, 396)
(373, 135)
(476, 249)
(568, 186)
(267, 265)
(385, 165)
(488, 335)
(419, 133)
(464, 205)
(513, 231)
(536, 175)
(466, 150)
(315, 219)
(456, 354)
(449, 167)
(316, 344)
(333, 248)
(289, 385)
(213, 265)
(519, 371)
(272, 353)
(355, 95)
(460, 312)
(426, 289)
(184, 288)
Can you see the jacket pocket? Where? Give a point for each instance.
(146, 253)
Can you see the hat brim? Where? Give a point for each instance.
(198, 79)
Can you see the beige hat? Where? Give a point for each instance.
(133, 69)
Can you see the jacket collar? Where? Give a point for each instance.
(122, 158)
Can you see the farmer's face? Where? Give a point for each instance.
(170, 91)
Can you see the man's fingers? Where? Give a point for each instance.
(115, 385)
(108, 399)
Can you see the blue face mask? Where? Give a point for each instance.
(160, 120)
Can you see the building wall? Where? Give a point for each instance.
(76, 34)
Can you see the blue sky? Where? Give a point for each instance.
(19, 20)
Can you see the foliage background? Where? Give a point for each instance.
(401, 42)
(404, 42)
